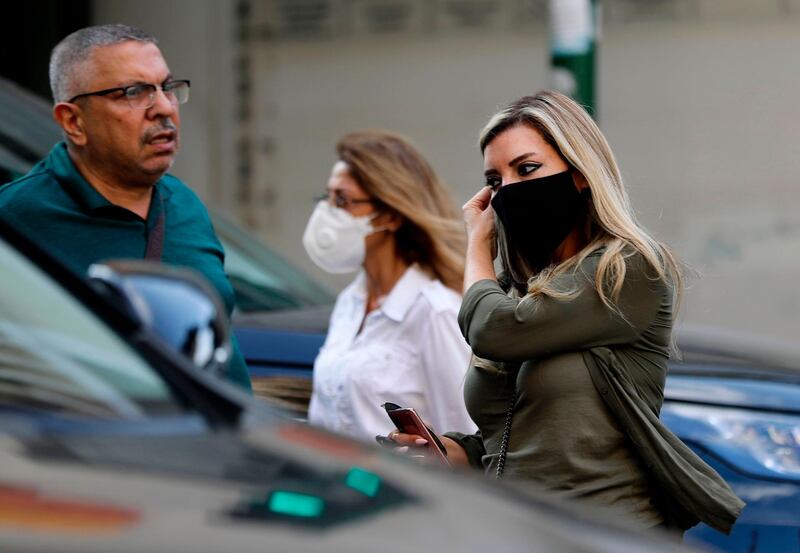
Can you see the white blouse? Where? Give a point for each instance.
(410, 351)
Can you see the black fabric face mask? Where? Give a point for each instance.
(538, 214)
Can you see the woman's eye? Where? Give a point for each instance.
(339, 200)
(527, 168)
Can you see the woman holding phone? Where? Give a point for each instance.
(570, 342)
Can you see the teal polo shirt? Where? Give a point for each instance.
(55, 206)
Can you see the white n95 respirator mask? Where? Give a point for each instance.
(334, 239)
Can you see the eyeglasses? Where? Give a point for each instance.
(143, 96)
(336, 198)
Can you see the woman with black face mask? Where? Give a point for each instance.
(570, 341)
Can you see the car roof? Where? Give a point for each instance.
(27, 128)
(704, 344)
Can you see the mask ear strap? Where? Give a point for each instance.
(383, 228)
(380, 229)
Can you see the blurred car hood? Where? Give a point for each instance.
(215, 491)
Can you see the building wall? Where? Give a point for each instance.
(699, 105)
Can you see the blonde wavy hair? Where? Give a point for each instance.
(396, 175)
(610, 221)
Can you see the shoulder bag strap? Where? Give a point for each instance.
(155, 238)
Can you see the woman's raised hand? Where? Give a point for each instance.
(479, 217)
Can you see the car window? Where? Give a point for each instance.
(57, 357)
(262, 280)
(7, 175)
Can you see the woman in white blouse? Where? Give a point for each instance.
(393, 334)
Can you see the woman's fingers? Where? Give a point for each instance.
(479, 216)
(412, 446)
(410, 440)
(478, 208)
(478, 202)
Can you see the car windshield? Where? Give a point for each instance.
(262, 280)
(57, 358)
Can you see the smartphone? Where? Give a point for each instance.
(408, 421)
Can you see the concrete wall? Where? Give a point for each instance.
(700, 106)
(704, 118)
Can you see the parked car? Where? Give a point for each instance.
(735, 400)
(111, 441)
(267, 289)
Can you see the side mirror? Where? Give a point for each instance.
(177, 304)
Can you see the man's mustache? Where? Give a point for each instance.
(162, 125)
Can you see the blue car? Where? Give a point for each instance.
(735, 400)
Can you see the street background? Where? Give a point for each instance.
(698, 98)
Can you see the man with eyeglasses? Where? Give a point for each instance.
(104, 192)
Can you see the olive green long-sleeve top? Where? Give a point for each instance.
(589, 382)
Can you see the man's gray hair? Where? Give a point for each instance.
(76, 48)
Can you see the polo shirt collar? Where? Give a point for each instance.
(84, 193)
(73, 182)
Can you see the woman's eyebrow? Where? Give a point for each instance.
(519, 158)
(511, 163)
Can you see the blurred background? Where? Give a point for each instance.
(698, 98)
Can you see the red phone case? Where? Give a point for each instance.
(408, 421)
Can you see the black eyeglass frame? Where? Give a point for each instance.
(124, 90)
